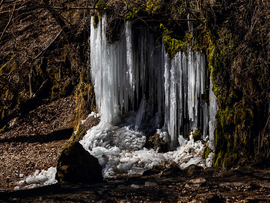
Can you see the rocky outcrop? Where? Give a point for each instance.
(76, 165)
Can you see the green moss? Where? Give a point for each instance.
(153, 5)
(55, 92)
(3, 129)
(196, 135)
(173, 45)
(96, 21)
(19, 48)
(43, 29)
(7, 64)
(206, 152)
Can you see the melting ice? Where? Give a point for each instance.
(139, 89)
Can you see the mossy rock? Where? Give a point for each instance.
(83, 128)
(76, 165)
(193, 170)
(157, 143)
(196, 134)
(85, 103)
(206, 152)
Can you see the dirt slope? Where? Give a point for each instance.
(34, 142)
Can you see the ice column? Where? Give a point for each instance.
(213, 107)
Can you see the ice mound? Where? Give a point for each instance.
(120, 150)
(38, 179)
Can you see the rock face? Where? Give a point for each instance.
(76, 165)
(157, 142)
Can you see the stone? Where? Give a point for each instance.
(76, 165)
(174, 170)
(194, 170)
(195, 183)
(135, 186)
(157, 143)
(198, 181)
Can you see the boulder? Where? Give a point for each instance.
(193, 170)
(157, 142)
(76, 165)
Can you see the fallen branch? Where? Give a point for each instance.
(17, 9)
(1, 3)
(10, 18)
(44, 50)
(183, 20)
(62, 8)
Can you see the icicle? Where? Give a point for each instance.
(130, 61)
(167, 91)
(212, 111)
(180, 89)
(173, 103)
(191, 85)
(203, 70)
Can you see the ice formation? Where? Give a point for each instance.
(138, 89)
(38, 179)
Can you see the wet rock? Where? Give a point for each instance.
(194, 170)
(157, 142)
(155, 170)
(196, 134)
(88, 123)
(77, 166)
(175, 170)
(151, 172)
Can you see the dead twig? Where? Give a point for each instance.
(63, 8)
(17, 9)
(1, 3)
(10, 18)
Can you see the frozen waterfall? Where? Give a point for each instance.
(140, 90)
(137, 75)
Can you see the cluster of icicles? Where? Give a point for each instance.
(138, 88)
(136, 74)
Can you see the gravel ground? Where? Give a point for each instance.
(34, 142)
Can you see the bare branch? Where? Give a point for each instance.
(10, 18)
(1, 3)
(17, 9)
(62, 8)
